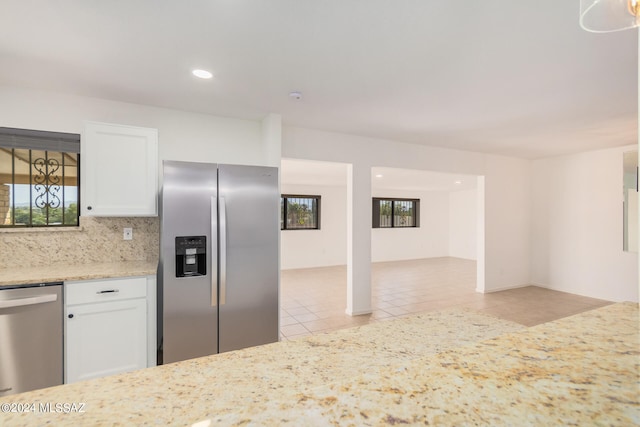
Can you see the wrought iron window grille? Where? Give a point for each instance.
(391, 212)
(299, 212)
(41, 179)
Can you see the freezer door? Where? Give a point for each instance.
(248, 211)
(187, 309)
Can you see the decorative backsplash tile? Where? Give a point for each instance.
(97, 240)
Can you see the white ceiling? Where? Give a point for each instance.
(509, 77)
(306, 172)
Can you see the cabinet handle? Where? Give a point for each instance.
(70, 316)
(89, 208)
(109, 291)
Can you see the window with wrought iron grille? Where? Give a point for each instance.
(39, 178)
(299, 212)
(392, 213)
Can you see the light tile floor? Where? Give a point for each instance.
(313, 300)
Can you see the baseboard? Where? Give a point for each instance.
(504, 288)
(542, 285)
(358, 312)
(576, 292)
(309, 267)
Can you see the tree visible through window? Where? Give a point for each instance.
(299, 212)
(38, 178)
(389, 213)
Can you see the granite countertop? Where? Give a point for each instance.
(455, 367)
(68, 272)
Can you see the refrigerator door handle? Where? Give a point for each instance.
(214, 270)
(223, 250)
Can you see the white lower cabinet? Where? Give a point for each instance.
(106, 327)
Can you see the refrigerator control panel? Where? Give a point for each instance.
(191, 256)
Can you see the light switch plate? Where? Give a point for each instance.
(128, 234)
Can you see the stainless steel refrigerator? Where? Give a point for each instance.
(218, 278)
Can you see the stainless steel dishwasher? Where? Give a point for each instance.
(30, 337)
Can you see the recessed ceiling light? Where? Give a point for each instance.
(379, 176)
(203, 74)
(458, 182)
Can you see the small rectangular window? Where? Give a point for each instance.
(39, 178)
(392, 213)
(299, 212)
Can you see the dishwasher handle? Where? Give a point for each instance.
(19, 302)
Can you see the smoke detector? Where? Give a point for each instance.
(295, 95)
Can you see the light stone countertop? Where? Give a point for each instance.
(455, 367)
(69, 272)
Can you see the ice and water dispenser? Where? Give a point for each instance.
(191, 256)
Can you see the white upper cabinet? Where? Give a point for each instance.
(118, 170)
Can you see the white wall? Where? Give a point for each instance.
(506, 184)
(463, 219)
(577, 226)
(182, 135)
(429, 240)
(327, 246)
(317, 248)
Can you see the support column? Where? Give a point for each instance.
(358, 239)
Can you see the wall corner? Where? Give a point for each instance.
(271, 129)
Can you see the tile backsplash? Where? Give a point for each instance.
(96, 240)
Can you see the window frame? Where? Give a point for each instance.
(65, 144)
(375, 211)
(284, 204)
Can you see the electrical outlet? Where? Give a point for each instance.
(128, 234)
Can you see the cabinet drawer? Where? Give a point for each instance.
(91, 291)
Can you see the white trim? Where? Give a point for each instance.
(358, 313)
(505, 288)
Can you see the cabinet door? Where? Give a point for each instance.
(105, 338)
(119, 170)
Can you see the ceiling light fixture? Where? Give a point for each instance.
(379, 176)
(458, 182)
(605, 16)
(203, 74)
